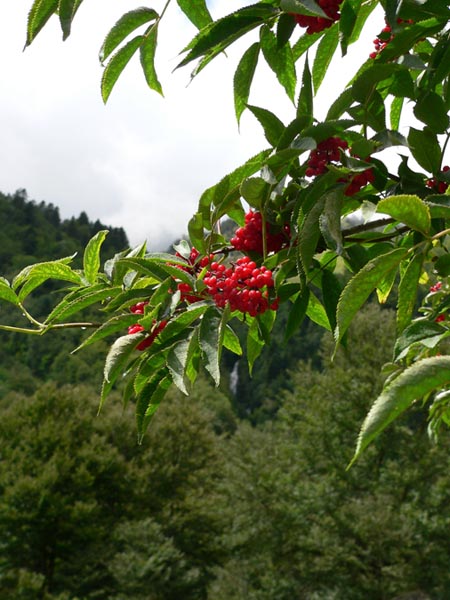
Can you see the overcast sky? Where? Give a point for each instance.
(141, 161)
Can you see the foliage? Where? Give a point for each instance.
(298, 242)
(300, 525)
(82, 507)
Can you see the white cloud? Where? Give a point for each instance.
(142, 161)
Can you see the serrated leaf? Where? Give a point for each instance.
(147, 56)
(305, 99)
(116, 360)
(255, 343)
(431, 110)
(196, 232)
(6, 293)
(159, 268)
(113, 325)
(150, 398)
(325, 52)
(396, 112)
(359, 288)
(302, 7)
(422, 378)
(117, 64)
(419, 331)
(66, 12)
(310, 232)
(273, 127)
(330, 221)
(178, 359)
(209, 339)
(254, 191)
(39, 14)
(197, 12)
(231, 341)
(317, 313)
(91, 258)
(226, 192)
(407, 292)
(425, 149)
(296, 314)
(407, 209)
(88, 296)
(385, 286)
(218, 35)
(47, 270)
(331, 291)
(280, 60)
(124, 27)
(243, 78)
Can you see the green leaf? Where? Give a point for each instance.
(425, 149)
(158, 267)
(340, 105)
(147, 56)
(226, 192)
(47, 270)
(273, 127)
(305, 99)
(91, 258)
(149, 399)
(124, 27)
(421, 331)
(396, 112)
(324, 54)
(330, 221)
(255, 191)
(196, 232)
(422, 378)
(113, 325)
(178, 360)
(209, 338)
(407, 292)
(39, 14)
(285, 28)
(410, 210)
(117, 64)
(297, 313)
(86, 297)
(302, 7)
(431, 110)
(280, 60)
(197, 12)
(255, 343)
(231, 341)
(218, 35)
(6, 293)
(331, 291)
(359, 288)
(243, 78)
(310, 232)
(317, 313)
(116, 360)
(303, 44)
(442, 265)
(66, 11)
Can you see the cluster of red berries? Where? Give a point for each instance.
(358, 181)
(382, 40)
(243, 286)
(384, 37)
(436, 287)
(317, 24)
(250, 237)
(329, 151)
(138, 309)
(439, 186)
